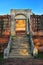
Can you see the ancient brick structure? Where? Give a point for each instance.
(16, 27)
(4, 31)
(37, 31)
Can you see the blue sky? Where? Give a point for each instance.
(35, 5)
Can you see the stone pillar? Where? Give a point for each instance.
(28, 23)
(28, 20)
(27, 27)
(12, 23)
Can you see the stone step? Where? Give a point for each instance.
(14, 54)
(20, 43)
(19, 52)
(17, 49)
(15, 38)
(19, 56)
(21, 40)
(20, 47)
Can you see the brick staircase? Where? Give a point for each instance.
(20, 47)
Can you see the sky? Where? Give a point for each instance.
(35, 5)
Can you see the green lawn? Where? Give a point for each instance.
(1, 57)
(40, 55)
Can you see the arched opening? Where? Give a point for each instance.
(20, 27)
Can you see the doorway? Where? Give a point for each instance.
(20, 26)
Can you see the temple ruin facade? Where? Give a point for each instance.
(21, 34)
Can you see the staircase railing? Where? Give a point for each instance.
(6, 50)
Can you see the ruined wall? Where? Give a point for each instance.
(4, 31)
(37, 30)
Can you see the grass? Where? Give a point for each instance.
(1, 56)
(40, 55)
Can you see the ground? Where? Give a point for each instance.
(21, 61)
